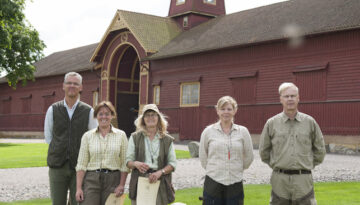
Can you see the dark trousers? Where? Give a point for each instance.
(219, 194)
(61, 180)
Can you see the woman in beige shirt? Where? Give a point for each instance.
(101, 167)
(225, 151)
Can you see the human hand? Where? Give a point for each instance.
(153, 177)
(79, 195)
(119, 190)
(141, 166)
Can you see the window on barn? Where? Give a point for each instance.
(189, 94)
(26, 104)
(244, 87)
(156, 95)
(6, 105)
(178, 2)
(311, 81)
(49, 99)
(210, 2)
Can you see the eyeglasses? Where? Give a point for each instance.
(72, 83)
(148, 115)
(289, 96)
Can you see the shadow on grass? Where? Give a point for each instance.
(8, 144)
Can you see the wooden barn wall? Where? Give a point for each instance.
(29, 104)
(329, 63)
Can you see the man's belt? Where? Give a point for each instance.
(103, 170)
(291, 172)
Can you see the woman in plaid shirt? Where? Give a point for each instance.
(101, 167)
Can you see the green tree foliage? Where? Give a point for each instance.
(20, 45)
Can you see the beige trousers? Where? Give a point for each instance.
(296, 189)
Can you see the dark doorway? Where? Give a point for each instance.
(127, 101)
(127, 110)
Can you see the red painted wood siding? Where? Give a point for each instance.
(337, 109)
(41, 92)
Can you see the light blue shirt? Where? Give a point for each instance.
(49, 120)
(152, 151)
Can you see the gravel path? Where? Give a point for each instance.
(29, 183)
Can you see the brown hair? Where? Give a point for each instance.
(106, 104)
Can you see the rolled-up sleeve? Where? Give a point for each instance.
(123, 152)
(171, 157)
(130, 153)
(248, 149)
(84, 155)
(203, 148)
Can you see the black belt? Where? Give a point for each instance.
(149, 171)
(104, 170)
(291, 172)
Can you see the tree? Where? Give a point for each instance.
(20, 45)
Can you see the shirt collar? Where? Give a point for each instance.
(286, 118)
(74, 106)
(157, 135)
(111, 129)
(233, 126)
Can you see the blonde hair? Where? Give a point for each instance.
(224, 100)
(161, 125)
(287, 85)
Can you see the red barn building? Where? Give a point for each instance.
(186, 61)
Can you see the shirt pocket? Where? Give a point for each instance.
(303, 144)
(278, 142)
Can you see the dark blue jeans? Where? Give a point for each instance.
(219, 194)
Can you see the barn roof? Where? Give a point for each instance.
(58, 63)
(265, 23)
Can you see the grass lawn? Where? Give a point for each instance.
(22, 155)
(34, 155)
(329, 193)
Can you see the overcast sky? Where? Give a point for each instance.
(66, 24)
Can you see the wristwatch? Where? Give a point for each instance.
(163, 171)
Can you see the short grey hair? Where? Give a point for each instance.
(73, 74)
(287, 85)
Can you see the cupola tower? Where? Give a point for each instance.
(190, 13)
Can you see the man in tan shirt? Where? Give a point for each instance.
(292, 144)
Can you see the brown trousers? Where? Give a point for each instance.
(98, 186)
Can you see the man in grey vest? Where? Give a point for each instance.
(292, 144)
(65, 123)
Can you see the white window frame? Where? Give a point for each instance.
(189, 103)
